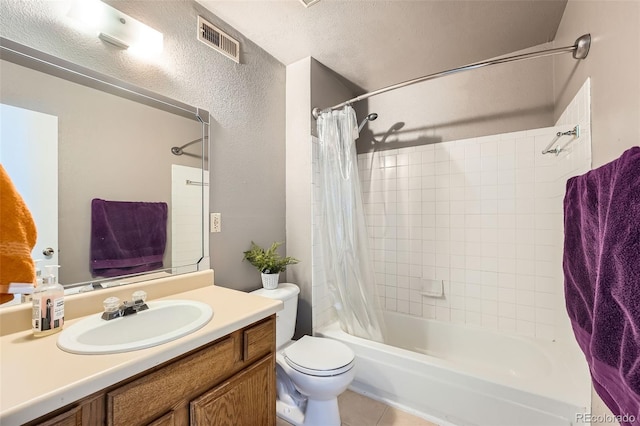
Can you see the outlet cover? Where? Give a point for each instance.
(216, 222)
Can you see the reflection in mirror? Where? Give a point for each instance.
(69, 138)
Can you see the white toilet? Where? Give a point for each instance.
(311, 372)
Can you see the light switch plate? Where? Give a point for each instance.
(216, 222)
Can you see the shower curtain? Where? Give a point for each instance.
(347, 266)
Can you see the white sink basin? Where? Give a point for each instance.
(165, 320)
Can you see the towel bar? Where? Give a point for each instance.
(575, 132)
(193, 182)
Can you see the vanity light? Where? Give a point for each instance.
(308, 3)
(115, 27)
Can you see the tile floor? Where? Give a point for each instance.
(358, 410)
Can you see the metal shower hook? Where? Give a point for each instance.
(575, 132)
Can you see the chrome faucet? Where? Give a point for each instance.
(114, 309)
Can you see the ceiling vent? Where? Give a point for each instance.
(218, 40)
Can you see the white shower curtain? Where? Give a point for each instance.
(343, 234)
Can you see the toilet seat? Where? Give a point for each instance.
(318, 356)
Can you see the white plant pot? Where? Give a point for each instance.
(270, 281)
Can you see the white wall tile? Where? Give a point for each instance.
(527, 328)
(457, 316)
(443, 313)
(506, 325)
(473, 318)
(186, 238)
(483, 213)
(507, 310)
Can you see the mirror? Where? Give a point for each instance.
(115, 142)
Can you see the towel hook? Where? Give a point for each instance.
(575, 132)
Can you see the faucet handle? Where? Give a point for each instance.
(111, 308)
(139, 296)
(111, 304)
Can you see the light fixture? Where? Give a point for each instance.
(308, 3)
(115, 27)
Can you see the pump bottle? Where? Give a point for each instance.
(48, 304)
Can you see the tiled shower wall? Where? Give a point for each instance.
(480, 217)
(186, 218)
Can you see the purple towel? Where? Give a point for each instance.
(127, 237)
(602, 278)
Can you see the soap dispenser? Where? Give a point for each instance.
(48, 304)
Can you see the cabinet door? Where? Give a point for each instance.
(72, 417)
(168, 419)
(89, 412)
(246, 399)
(143, 400)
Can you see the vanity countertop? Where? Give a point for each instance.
(37, 377)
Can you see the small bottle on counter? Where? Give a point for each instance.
(29, 297)
(48, 304)
(38, 272)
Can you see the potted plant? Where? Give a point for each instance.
(269, 263)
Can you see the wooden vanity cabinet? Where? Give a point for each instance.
(239, 400)
(89, 411)
(228, 382)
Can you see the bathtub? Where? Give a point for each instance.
(459, 375)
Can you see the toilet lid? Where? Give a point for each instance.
(319, 356)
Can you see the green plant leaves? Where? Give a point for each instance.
(268, 261)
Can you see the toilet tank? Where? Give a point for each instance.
(286, 318)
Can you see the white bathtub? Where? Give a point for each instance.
(459, 375)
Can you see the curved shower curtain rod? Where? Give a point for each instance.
(178, 150)
(580, 50)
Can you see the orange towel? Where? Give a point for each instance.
(17, 238)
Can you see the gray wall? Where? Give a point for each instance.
(614, 67)
(309, 84)
(298, 187)
(246, 102)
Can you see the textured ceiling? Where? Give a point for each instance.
(377, 43)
